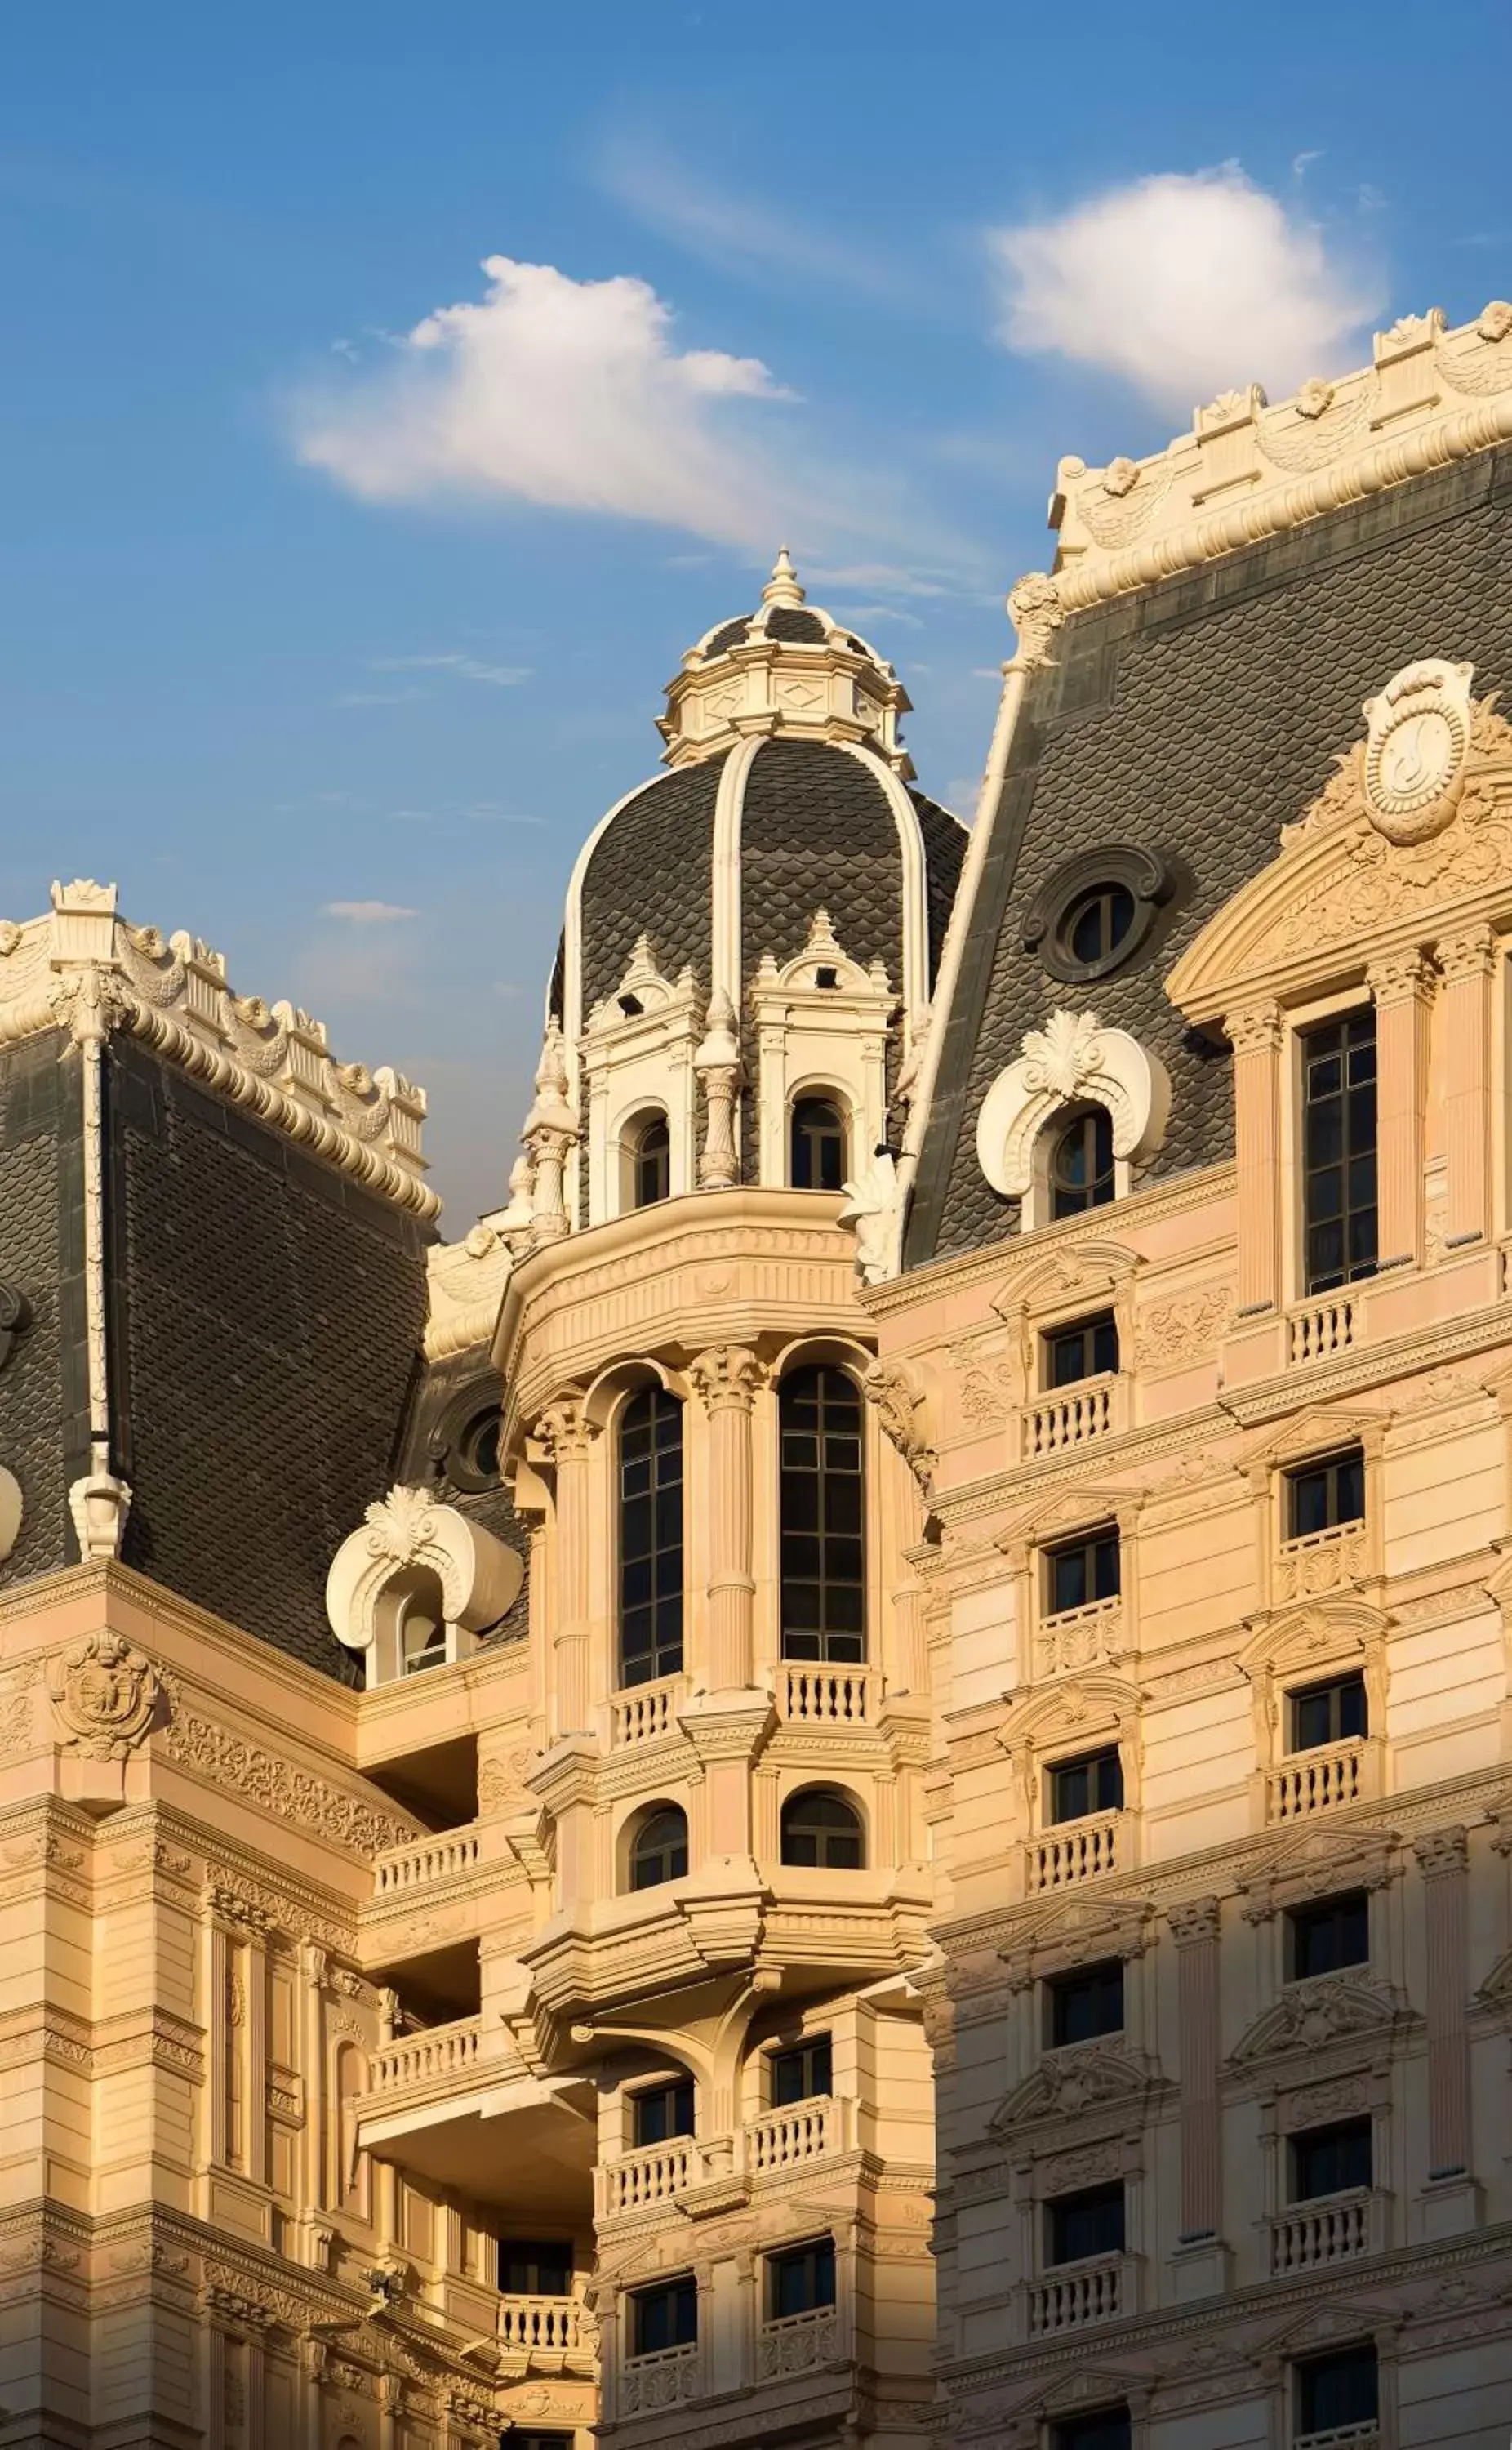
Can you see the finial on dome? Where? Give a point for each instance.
(783, 586)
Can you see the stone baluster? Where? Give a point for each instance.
(1402, 988)
(1466, 961)
(727, 1378)
(1255, 1036)
(1443, 1858)
(1195, 1926)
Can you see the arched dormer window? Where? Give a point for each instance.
(821, 1831)
(423, 1623)
(648, 1162)
(1081, 1162)
(824, 1516)
(816, 1156)
(651, 1537)
(659, 1849)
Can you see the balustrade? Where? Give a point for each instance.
(428, 1860)
(828, 1696)
(784, 2137)
(546, 2326)
(1070, 1417)
(1314, 1781)
(664, 2379)
(1082, 1638)
(1313, 2234)
(653, 2176)
(1323, 1328)
(429, 2057)
(1087, 2292)
(1075, 1850)
(796, 2343)
(643, 1712)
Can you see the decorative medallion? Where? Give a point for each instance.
(1415, 749)
(104, 1696)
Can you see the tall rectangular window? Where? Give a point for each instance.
(1323, 1496)
(1086, 2003)
(1079, 1571)
(824, 1517)
(1325, 1937)
(1087, 1349)
(801, 2280)
(660, 2112)
(1340, 2388)
(1085, 2223)
(1327, 1714)
(1339, 1150)
(801, 2073)
(650, 1538)
(1330, 2160)
(1094, 1782)
(663, 2317)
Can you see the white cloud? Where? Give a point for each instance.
(552, 391)
(738, 232)
(1183, 285)
(467, 668)
(369, 914)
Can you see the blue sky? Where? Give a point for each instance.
(341, 575)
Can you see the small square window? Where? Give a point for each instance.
(663, 2317)
(1086, 2003)
(1087, 1349)
(801, 2280)
(1325, 1937)
(1340, 2388)
(1322, 1495)
(1327, 1714)
(1330, 2160)
(1085, 2223)
(1080, 1571)
(801, 2073)
(661, 2112)
(533, 2267)
(1106, 2428)
(1091, 1784)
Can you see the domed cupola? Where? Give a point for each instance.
(750, 940)
(788, 670)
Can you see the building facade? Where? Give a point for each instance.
(847, 1779)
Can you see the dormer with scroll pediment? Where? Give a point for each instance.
(641, 1088)
(821, 1022)
(1348, 973)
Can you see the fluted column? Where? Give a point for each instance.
(727, 1378)
(565, 1436)
(1195, 1926)
(1255, 1036)
(1444, 1859)
(1466, 961)
(1402, 988)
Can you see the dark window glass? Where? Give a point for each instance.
(1327, 1714)
(1079, 1571)
(821, 1830)
(1093, 1783)
(1085, 1350)
(1329, 2160)
(423, 1626)
(1325, 1938)
(660, 1851)
(651, 1537)
(817, 1155)
(653, 1163)
(663, 2317)
(1107, 2428)
(1086, 2003)
(529, 2267)
(1340, 2388)
(1321, 1495)
(1097, 922)
(1338, 1151)
(1081, 1174)
(824, 1517)
(539, 2441)
(801, 2280)
(800, 2074)
(478, 1445)
(662, 2111)
(1088, 2223)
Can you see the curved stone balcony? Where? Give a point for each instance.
(767, 2147)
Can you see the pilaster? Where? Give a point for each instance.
(1255, 1034)
(1402, 988)
(1466, 961)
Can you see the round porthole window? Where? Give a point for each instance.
(465, 1442)
(1096, 912)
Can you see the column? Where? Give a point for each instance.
(1443, 1858)
(1195, 1927)
(1402, 988)
(727, 1378)
(1255, 1036)
(256, 1963)
(1466, 961)
(565, 1434)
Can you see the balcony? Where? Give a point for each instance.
(658, 2174)
(1084, 2293)
(663, 2380)
(1311, 2235)
(1323, 1561)
(1075, 1851)
(1072, 1417)
(446, 1892)
(546, 2335)
(1317, 1780)
(1082, 1638)
(456, 2106)
(642, 1713)
(810, 1695)
(797, 2343)
(1343, 2436)
(1322, 1329)
(803, 2132)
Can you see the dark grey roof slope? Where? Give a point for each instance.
(651, 874)
(44, 1388)
(1196, 718)
(817, 832)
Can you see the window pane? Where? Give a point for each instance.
(1339, 1150)
(822, 1516)
(651, 1537)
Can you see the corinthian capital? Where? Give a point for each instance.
(563, 1432)
(726, 1377)
(1255, 1029)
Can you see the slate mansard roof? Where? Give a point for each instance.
(1194, 717)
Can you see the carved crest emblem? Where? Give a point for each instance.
(104, 1695)
(1415, 749)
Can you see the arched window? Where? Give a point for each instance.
(821, 1830)
(817, 1151)
(1081, 1169)
(659, 1852)
(651, 1537)
(422, 1625)
(823, 1547)
(650, 1162)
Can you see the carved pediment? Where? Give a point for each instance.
(1076, 1931)
(1496, 1991)
(1411, 839)
(1085, 1706)
(1069, 2083)
(1081, 1272)
(1070, 1510)
(1312, 2016)
(1321, 1862)
(1317, 1430)
(1315, 1632)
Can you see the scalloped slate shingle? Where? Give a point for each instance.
(44, 1418)
(1199, 717)
(650, 875)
